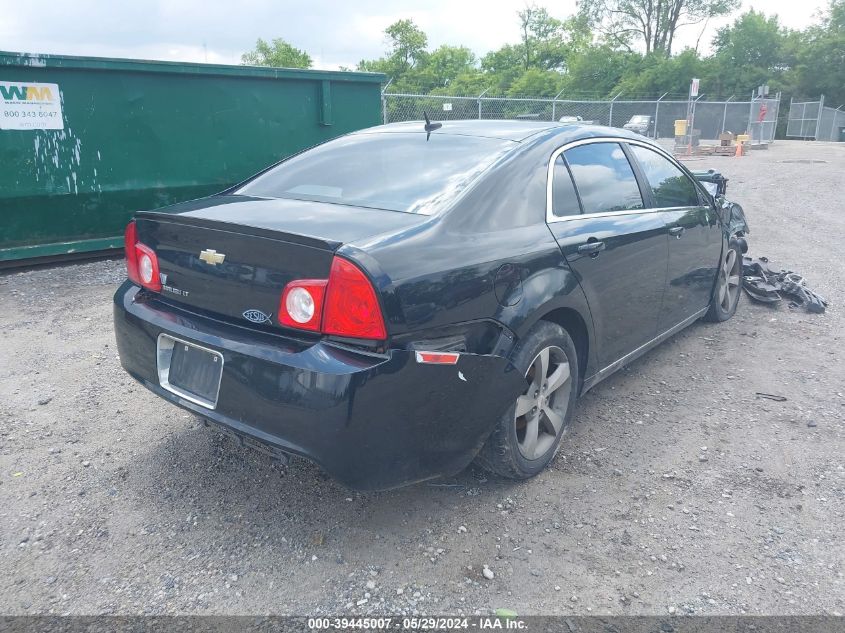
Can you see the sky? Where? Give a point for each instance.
(334, 32)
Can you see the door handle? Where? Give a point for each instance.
(677, 231)
(591, 248)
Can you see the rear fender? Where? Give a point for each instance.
(545, 291)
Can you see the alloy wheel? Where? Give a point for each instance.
(729, 280)
(541, 410)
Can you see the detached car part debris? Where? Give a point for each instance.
(766, 285)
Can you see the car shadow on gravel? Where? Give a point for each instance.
(198, 469)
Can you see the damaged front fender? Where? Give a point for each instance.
(733, 217)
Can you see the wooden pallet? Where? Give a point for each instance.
(701, 150)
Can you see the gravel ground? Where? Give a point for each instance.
(677, 491)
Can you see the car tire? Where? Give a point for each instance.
(728, 286)
(508, 451)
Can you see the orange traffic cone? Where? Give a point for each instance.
(738, 149)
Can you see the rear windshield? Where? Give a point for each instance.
(394, 171)
(639, 118)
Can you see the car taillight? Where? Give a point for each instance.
(148, 267)
(352, 308)
(141, 261)
(345, 304)
(130, 238)
(302, 304)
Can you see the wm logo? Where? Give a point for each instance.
(23, 92)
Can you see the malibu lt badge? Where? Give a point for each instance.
(171, 289)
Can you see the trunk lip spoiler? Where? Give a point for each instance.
(241, 229)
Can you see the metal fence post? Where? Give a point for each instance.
(479, 101)
(657, 112)
(789, 114)
(819, 117)
(803, 119)
(384, 101)
(777, 114)
(725, 115)
(692, 118)
(610, 117)
(750, 129)
(554, 103)
(833, 124)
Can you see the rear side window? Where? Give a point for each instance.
(604, 178)
(564, 199)
(671, 187)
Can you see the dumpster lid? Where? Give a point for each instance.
(37, 60)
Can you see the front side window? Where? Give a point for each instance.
(393, 171)
(604, 178)
(671, 187)
(564, 199)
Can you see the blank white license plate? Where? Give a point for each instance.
(190, 371)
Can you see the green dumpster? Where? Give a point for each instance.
(85, 142)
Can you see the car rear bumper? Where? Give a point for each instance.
(371, 421)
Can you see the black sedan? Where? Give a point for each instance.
(398, 302)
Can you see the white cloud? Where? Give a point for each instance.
(333, 32)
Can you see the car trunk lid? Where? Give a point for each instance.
(231, 257)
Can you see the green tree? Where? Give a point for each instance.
(656, 74)
(407, 50)
(821, 57)
(442, 67)
(540, 33)
(408, 44)
(553, 55)
(546, 45)
(276, 53)
(752, 51)
(535, 82)
(503, 66)
(470, 83)
(447, 62)
(598, 70)
(654, 23)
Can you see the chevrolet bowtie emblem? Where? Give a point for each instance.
(212, 257)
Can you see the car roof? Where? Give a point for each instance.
(507, 129)
(517, 131)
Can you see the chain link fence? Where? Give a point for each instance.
(814, 120)
(757, 117)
